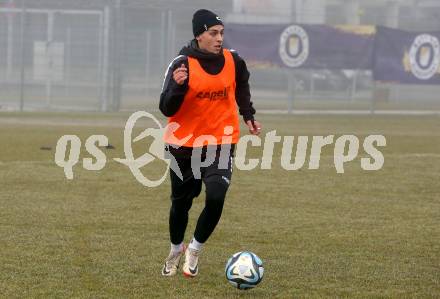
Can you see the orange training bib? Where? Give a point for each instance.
(209, 107)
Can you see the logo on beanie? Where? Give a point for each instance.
(203, 19)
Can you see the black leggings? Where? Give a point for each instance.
(184, 191)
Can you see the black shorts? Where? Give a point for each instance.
(193, 174)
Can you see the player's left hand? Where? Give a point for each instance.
(254, 127)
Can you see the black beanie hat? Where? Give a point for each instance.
(203, 19)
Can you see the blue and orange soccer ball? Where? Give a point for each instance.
(244, 270)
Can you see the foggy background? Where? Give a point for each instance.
(111, 55)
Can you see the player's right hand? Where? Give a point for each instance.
(180, 74)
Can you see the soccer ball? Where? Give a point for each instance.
(244, 270)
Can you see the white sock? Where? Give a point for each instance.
(176, 248)
(194, 244)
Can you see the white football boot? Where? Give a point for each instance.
(172, 262)
(191, 263)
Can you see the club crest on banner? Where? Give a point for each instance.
(424, 56)
(294, 46)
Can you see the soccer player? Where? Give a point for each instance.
(201, 91)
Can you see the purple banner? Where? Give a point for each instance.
(407, 57)
(303, 46)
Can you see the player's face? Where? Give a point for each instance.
(212, 39)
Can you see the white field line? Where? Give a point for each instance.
(110, 160)
(42, 122)
(121, 123)
(350, 112)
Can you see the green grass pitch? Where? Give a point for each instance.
(320, 234)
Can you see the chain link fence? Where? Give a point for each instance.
(112, 55)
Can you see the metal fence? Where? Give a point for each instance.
(53, 59)
(112, 57)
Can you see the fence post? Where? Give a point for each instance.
(373, 97)
(170, 38)
(163, 42)
(295, 17)
(105, 60)
(291, 89)
(147, 63)
(117, 51)
(22, 53)
(67, 78)
(353, 89)
(10, 41)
